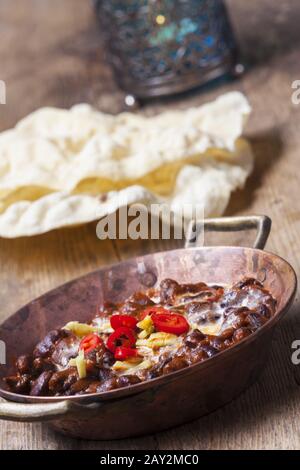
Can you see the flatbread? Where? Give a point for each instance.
(66, 167)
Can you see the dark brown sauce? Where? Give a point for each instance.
(232, 312)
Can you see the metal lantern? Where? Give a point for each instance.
(160, 47)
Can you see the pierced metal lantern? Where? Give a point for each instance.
(160, 47)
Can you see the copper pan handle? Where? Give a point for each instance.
(261, 223)
(30, 412)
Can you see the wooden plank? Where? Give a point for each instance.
(61, 63)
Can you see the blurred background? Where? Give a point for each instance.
(59, 44)
(54, 53)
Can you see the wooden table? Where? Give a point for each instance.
(50, 55)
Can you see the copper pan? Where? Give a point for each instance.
(169, 400)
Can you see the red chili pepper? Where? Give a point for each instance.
(170, 323)
(90, 342)
(117, 321)
(123, 336)
(150, 310)
(123, 353)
